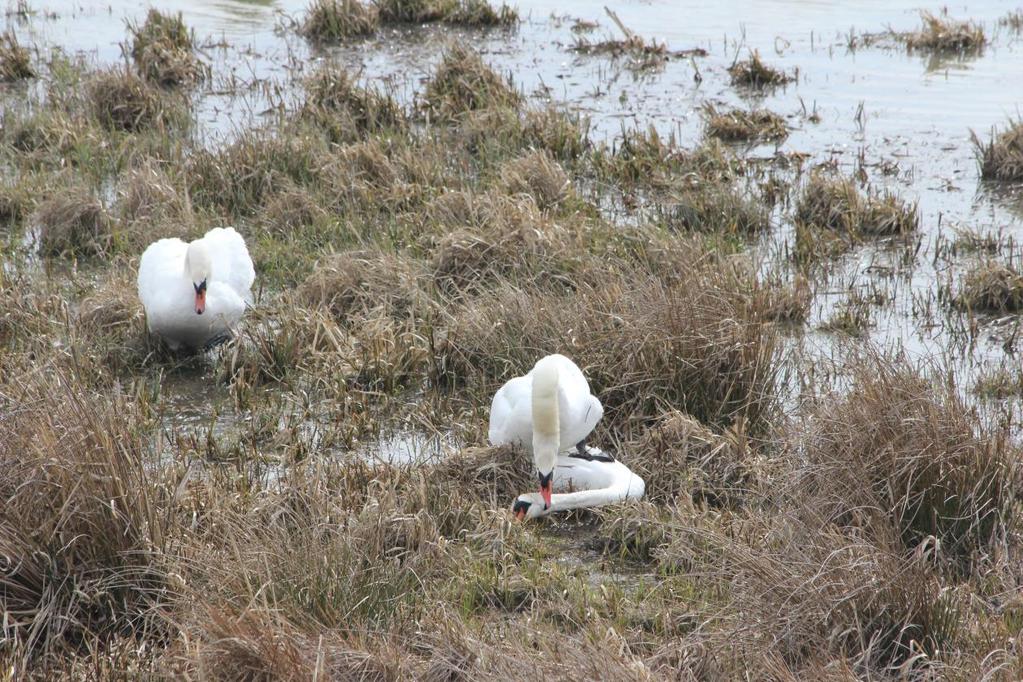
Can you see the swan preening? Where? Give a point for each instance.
(550, 412)
(195, 293)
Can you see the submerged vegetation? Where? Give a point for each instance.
(250, 513)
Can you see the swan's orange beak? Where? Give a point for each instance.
(545, 488)
(200, 301)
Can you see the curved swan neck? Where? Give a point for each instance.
(546, 425)
(198, 264)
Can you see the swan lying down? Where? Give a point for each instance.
(551, 412)
(195, 293)
(589, 480)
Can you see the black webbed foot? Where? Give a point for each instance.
(217, 340)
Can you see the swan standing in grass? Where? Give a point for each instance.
(550, 411)
(195, 293)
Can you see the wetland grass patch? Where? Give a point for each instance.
(462, 83)
(754, 73)
(942, 33)
(73, 222)
(15, 59)
(992, 287)
(737, 125)
(335, 21)
(163, 50)
(469, 13)
(1002, 157)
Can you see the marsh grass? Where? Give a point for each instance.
(122, 101)
(916, 454)
(73, 223)
(334, 21)
(89, 562)
(15, 59)
(1002, 157)
(463, 83)
(163, 50)
(991, 287)
(238, 514)
(540, 176)
(831, 214)
(470, 13)
(347, 110)
(737, 125)
(941, 33)
(754, 73)
(715, 208)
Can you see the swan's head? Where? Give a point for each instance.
(198, 269)
(529, 506)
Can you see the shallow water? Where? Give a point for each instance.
(904, 118)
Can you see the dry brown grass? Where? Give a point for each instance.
(754, 73)
(335, 21)
(463, 83)
(473, 13)
(715, 208)
(537, 174)
(945, 34)
(681, 459)
(900, 451)
(122, 101)
(992, 288)
(833, 203)
(15, 60)
(73, 222)
(1002, 157)
(148, 194)
(737, 125)
(238, 179)
(360, 281)
(348, 111)
(163, 50)
(644, 344)
(89, 561)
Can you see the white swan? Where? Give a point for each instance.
(593, 478)
(547, 411)
(195, 293)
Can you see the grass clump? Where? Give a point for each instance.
(678, 457)
(472, 13)
(239, 178)
(83, 520)
(913, 452)
(334, 21)
(1002, 158)
(754, 73)
(940, 33)
(992, 288)
(15, 60)
(538, 175)
(163, 50)
(737, 125)
(834, 204)
(463, 83)
(73, 222)
(359, 281)
(122, 101)
(716, 208)
(346, 110)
